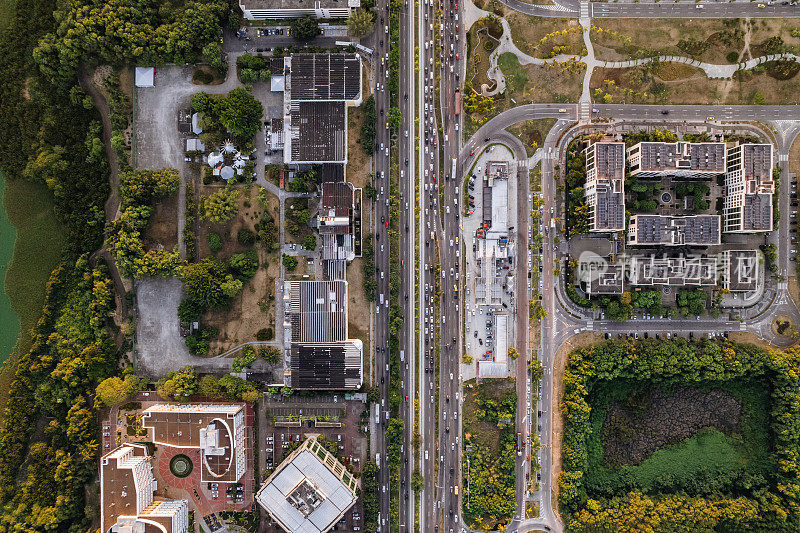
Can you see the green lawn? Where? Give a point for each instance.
(516, 77)
(29, 207)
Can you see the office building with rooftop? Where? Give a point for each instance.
(653, 230)
(605, 186)
(310, 490)
(741, 270)
(217, 430)
(283, 9)
(749, 187)
(680, 159)
(318, 89)
(127, 501)
(321, 355)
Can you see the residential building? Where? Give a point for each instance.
(676, 270)
(749, 187)
(282, 9)
(605, 186)
(741, 270)
(310, 490)
(681, 159)
(696, 230)
(127, 502)
(217, 430)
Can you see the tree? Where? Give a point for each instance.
(245, 359)
(178, 385)
(290, 262)
(208, 284)
(305, 28)
(270, 354)
(244, 265)
(359, 23)
(310, 242)
(114, 390)
(220, 206)
(214, 242)
(513, 353)
(394, 117)
(214, 56)
(241, 113)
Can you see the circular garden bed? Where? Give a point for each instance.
(180, 466)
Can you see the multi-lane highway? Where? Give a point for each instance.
(381, 244)
(407, 241)
(451, 70)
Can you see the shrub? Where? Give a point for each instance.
(265, 334)
(189, 311)
(214, 242)
(245, 237)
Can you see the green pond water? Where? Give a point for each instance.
(9, 321)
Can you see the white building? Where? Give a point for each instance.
(749, 188)
(282, 9)
(310, 490)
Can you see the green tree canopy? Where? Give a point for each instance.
(241, 113)
(305, 28)
(359, 23)
(220, 206)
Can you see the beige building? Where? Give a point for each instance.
(127, 504)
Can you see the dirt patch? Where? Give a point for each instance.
(249, 213)
(532, 133)
(545, 37)
(636, 85)
(745, 337)
(708, 40)
(252, 310)
(650, 419)
(581, 340)
(162, 231)
(670, 71)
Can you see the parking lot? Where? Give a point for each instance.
(286, 420)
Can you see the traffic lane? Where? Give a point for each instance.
(699, 112)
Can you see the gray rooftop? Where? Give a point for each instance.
(305, 495)
(741, 270)
(318, 131)
(663, 157)
(291, 4)
(609, 159)
(334, 365)
(757, 161)
(609, 208)
(325, 76)
(700, 230)
(317, 310)
(757, 212)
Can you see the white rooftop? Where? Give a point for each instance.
(145, 76)
(331, 500)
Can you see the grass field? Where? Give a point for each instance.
(707, 455)
(481, 430)
(532, 133)
(29, 207)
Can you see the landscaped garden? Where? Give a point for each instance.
(680, 436)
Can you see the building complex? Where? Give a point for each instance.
(309, 491)
(605, 186)
(127, 501)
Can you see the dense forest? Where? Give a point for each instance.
(744, 503)
(50, 133)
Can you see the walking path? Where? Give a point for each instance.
(506, 45)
